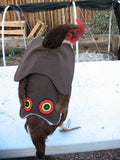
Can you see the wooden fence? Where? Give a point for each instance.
(50, 18)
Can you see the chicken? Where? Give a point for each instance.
(45, 76)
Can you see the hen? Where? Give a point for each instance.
(45, 75)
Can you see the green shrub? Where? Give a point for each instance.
(100, 23)
(15, 51)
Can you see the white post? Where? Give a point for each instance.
(24, 38)
(75, 17)
(110, 24)
(3, 44)
(3, 41)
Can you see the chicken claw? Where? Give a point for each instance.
(67, 127)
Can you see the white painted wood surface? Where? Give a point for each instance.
(94, 105)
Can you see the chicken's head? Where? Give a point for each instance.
(74, 33)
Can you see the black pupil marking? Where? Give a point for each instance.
(46, 106)
(27, 104)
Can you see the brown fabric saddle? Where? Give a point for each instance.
(50, 71)
(41, 99)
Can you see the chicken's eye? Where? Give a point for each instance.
(72, 32)
(28, 105)
(46, 107)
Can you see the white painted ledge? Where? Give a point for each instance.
(94, 105)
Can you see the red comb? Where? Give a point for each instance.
(77, 32)
(81, 25)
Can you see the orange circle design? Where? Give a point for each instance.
(46, 106)
(28, 105)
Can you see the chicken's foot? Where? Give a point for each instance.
(67, 127)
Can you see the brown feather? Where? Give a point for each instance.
(56, 36)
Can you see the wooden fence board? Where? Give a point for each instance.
(40, 27)
(12, 32)
(50, 18)
(12, 24)
(13, 28)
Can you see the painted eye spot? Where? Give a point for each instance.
(46, 106)
(28, 105)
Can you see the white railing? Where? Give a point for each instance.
(3, 40)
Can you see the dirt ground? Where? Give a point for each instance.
(83, 57)
(11, 60)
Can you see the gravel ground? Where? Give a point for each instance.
(113, 154)
(97, 155)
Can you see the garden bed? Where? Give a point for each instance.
(14, 59)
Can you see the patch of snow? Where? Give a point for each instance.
(94, 106)
(93, 56)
